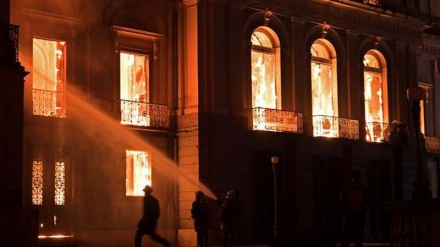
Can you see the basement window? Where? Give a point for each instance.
(49, 78)
(138, 172)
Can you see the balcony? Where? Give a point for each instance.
(377, 131)
(8, 44)
(275, 120)
(335, 127)
(432, 144)
(143, 114)
(48, 103)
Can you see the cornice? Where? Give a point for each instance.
(341, 15)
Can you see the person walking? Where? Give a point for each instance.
(147, 224)
(354, 200)
(229, 217)
(200, 214)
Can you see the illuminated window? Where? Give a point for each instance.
(324, 89)
(266, 79)
(60, 183)
(49, 78)
(134, 84)
(375, 94)
(138, 172)
(37, 183)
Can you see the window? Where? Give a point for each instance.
(49, 78)
(134, 84)
(37, 183)
(59, 191)
(266, 84)
(324, 89)
(265, 62)
(138, 172)
(375, 94)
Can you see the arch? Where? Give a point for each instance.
(257, 20)
(140, 17)
(332, 37)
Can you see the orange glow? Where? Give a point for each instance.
(54, 236)
(37, 183)
(134, 81)
(324, 90)
(266, 79)
(138, 172)
(49, 76)
(375, 98)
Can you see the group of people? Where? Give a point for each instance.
(229, 216)
(353, 198)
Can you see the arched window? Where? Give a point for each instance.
(324, 89)
(265, 65)
(266, 79)
(375, 94)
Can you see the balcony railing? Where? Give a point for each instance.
(275, 120)
(432, 144)
(143, 114)
(8, 44)
(48, 103)
(377, 132)
(328, 126)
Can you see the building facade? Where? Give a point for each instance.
(277, 99)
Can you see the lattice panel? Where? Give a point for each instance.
(37, 183)
(276, 120)
(60, 183)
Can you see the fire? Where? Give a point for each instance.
(266, 79)
(324, 90)
(49, 78)
(138, 172)
(374, 98)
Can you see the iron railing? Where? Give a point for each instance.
(329, 126)
(377, 131)
(143, 114)
(275, 120)
(48, 103)
(8, 44)
(432, 144)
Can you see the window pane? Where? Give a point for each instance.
(49, 78)
(138, 172)
(263, 80)
(60, 183)
(37, 183)
(134, 80)
(324, 90)
(375, 95)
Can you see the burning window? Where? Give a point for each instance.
(324, 89)
(266, 79)
(138, 172)
(37, 183)
(375, 94)
(134, 84)
(49, 78)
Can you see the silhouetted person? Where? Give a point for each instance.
(354, 200)
(229, 218)
(200, 214)
(147, 225)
